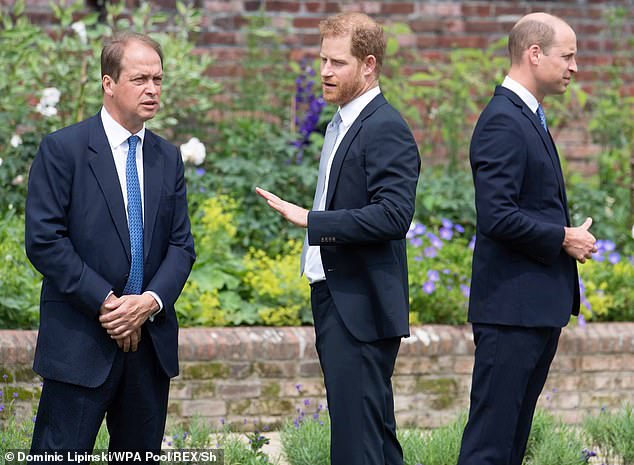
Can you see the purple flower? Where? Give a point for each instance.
(472, 243)
(446, 223)
(200, 171)
(15, 395)
(5, 377)
(296, 423)
(458, 228)
(222, 421)
(430, 252)
(1, 407)
(614, 258)
(429, 287)
(420, 229)
(446, 233)
(581, 320)
(435, 242)
(315, 416)
(433, 276)
(298, 387)
(306, 402)
(465, 290)
(416, 241)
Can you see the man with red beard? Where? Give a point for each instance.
(354, 255)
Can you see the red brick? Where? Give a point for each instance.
(462, 42)
(480, 10)
(475, 25)
(398, 8)
(512, 10)
(290, 7)
(253, 5)
(314, 7)
(427, 25)
(219, 38)
(306, 23)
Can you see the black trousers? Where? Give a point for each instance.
(358, 383)
(133, 399)
(511, 366)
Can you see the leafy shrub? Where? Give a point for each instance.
(611, 432)
(439, 270)
(606, 285)
(439, 446)
(282, 295)
(306, 439)
(19, 281)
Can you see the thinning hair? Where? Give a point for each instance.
(367, 37)
(113, 50)
(527, 33)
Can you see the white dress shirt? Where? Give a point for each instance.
(117, 137)
(522, 92)
(314, 269)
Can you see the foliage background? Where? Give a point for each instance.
(269, 133)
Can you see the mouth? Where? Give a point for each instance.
(150, 104)
(328, 85)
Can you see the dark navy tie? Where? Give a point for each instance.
(542, 117)
(135, 220)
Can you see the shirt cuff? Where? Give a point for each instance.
(160, 303)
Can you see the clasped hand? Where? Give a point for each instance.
(123, 316)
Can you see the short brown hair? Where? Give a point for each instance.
(367, 37)
(112, 51)
(527, 33)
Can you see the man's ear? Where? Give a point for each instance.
(534, 54)
(107, 83)
(369, 65)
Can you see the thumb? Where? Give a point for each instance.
(587, 223)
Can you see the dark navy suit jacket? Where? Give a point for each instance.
(77, 237)
(369, 208)
(521, 274)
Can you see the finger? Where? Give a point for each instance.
(120, 343)
(126, 344)
(587, 223)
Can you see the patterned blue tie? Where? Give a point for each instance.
(542, 117)
(135, 220)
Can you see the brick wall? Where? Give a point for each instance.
(266, 374)
(437, 27)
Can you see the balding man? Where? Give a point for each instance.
(524, 283)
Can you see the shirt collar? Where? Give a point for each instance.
(522, 92)
(116, 133)
(351, 110)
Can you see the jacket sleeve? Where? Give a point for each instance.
(47, 241)
(392, 165)
(498, 161)
(172, 273)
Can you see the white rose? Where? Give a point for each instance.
(46, 110)
(0, 161)
(19, 179)
(80, 29)
(193, 151)
(16, 141)
(50, 96)
(632, 227)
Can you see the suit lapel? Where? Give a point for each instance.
(152, 186)
(344, 146)
(102, 165)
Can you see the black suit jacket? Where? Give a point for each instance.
(77, 237)
(521, 274)
(369, 208)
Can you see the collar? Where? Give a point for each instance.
(351, 110)
(116, 133)
(522, 92)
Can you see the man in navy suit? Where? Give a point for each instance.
(107, 226)
(524, 283)
(354, 254)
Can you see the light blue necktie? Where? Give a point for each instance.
(542, 117)
(332, 131)
(135, 220)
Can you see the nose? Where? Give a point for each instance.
(573, 65)
(151, 88)
(325, 68)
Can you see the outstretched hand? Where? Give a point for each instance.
(293, 213)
